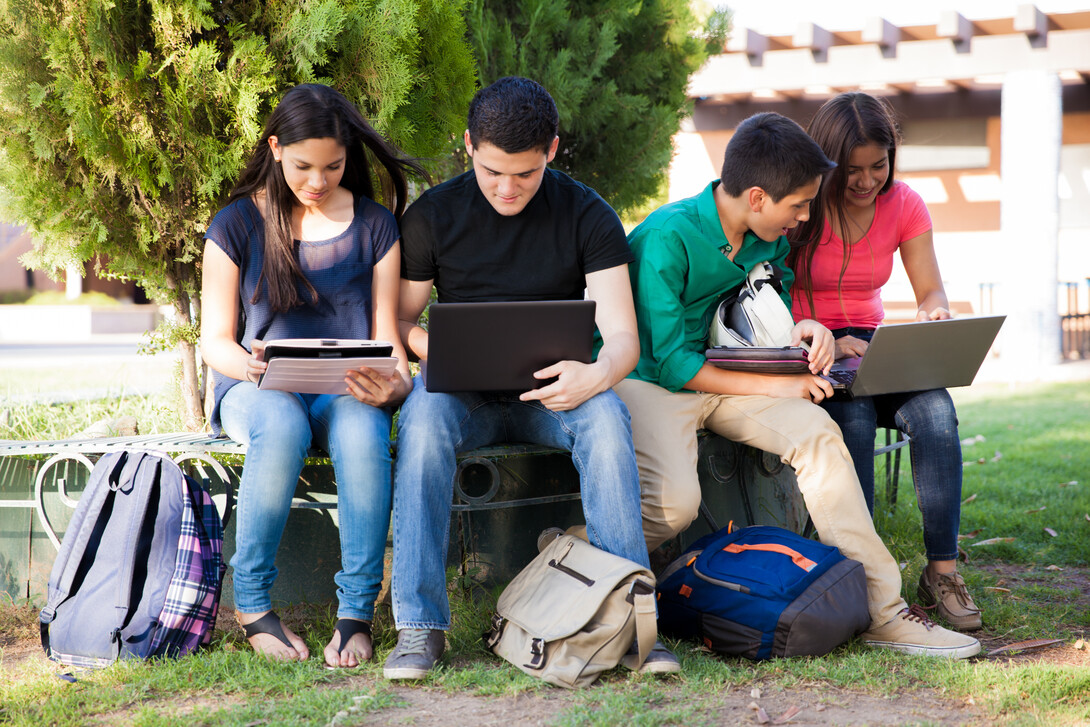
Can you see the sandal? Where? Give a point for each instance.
(267, 624)
(348, 628)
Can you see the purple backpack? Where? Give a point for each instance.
(139, 570)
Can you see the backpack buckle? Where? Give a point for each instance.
(639, 587)
(493, 636)
(537, 654)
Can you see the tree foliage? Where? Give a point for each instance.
(717, 27)
(618, 70)
(124, 123)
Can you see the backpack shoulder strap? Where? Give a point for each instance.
(642, 595)
(108, 472)
(143, 484)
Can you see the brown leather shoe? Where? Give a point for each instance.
(947, 592)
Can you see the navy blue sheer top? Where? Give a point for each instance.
(340, 269)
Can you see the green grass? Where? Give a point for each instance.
(60, 420)
(58, 399)
(1042, 433)
(1042, 437)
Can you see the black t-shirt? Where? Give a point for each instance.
(453, 236)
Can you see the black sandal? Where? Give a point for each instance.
(348, 628)
(267, 624)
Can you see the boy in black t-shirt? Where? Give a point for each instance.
(511, 229)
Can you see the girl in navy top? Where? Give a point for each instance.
(302, 250)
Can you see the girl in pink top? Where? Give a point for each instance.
(843, 256)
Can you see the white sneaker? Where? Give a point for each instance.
(914, 633)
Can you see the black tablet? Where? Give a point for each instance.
(326, 348)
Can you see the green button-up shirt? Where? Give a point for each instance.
(680, 274)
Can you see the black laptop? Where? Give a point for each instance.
(917, 357)
(497, 346)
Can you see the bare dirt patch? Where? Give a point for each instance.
(818, 706)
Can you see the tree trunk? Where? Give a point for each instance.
(207, 389)
(192, 410)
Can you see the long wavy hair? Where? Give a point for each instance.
(842, 124)
(315, 111)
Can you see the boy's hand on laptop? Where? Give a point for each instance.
(822, 346)
(371, 387)
(577, 382)
(803, 386)
(850, 346)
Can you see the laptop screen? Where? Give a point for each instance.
(497, 346)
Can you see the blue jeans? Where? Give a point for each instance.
(434, 427)
(278, 427)
(929, 418)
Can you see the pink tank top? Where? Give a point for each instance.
(900, 215)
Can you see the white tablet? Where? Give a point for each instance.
(319, 365)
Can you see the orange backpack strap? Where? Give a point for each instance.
(796, 557)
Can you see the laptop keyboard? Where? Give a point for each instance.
(842, 377)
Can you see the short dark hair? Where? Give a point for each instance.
(774, 153)
(514, 115)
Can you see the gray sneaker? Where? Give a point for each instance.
(546, 537)
(416, 652)
(660, 660)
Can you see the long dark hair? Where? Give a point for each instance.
(315, 111)
(842, 123)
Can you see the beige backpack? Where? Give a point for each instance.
(573, 613)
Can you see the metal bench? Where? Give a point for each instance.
(493, 532)
(892, 452)
(477, 480)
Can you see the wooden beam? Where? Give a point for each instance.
(813, 37)
(1031, 21)
(955, 26)
(747, 41)
(882, 32)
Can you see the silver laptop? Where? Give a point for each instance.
(917, 356)
(497, 346)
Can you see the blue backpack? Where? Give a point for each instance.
(139, 571)
(763, 592)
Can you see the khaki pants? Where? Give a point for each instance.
(664, 427)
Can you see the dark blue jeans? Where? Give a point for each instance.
(433, 427)
(929, 419)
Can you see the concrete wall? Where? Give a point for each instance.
(30, 323)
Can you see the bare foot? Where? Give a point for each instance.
(356, 651)
(268, 643)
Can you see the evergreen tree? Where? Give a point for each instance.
(618, 70)
(124, 123)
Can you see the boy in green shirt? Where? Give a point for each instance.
(691, 253)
